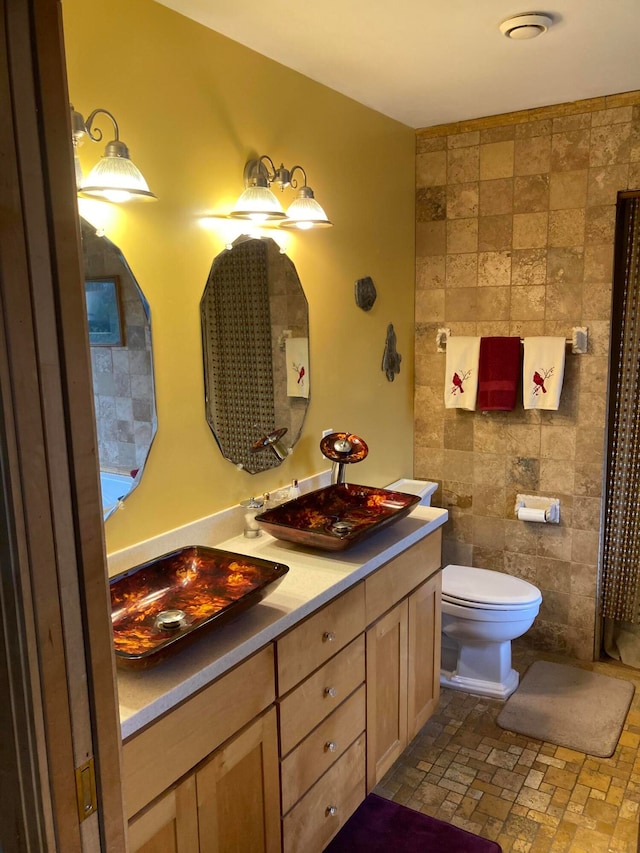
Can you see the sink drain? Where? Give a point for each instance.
(171, 620)
(340, 528)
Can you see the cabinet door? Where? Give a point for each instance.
(424, 654)
(238, 793)
(386, 692)
(170, 825)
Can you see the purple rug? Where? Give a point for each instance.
(381, 826)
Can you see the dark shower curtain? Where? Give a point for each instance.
(620, 590)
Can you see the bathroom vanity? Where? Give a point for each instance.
(268, 734)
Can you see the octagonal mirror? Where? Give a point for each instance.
(119, 323)
(255, 339)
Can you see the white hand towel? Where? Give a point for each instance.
(543, 372)
(461, 380)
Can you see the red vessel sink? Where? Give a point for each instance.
(336, 517)
(156, 608)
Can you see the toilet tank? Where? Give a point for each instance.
(423, 488)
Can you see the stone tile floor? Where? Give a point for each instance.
(528, 795)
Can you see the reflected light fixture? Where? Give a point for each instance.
(259, 204)
(115, 177)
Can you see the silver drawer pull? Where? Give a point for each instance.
(328, 637)
(330, 691)
(330, 746)
(331, 810)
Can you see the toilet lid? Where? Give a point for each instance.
(485, 587)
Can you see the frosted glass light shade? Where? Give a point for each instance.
(116, 178)
(258, 204)
(305, 212)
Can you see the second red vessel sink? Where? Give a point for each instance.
(338, 516)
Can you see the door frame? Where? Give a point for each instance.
(56, 656)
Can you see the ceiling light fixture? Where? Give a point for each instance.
(526, 26)
(115, 177)
(259, 204)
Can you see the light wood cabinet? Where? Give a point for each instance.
(403, 653)
(205, 777)
(170, 825)
(238, 793)
(386, 692)
(423, 661)
(318, 638)
(400, 576)
(158, 756)
(321, 674)
(229, 803)
(280, 751)
(320, 694)
(316, 818)
(322, 748)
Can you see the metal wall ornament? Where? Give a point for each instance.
(365, 293)
(391, 358)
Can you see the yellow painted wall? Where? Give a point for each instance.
(193, 106)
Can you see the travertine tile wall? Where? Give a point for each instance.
(514, 236)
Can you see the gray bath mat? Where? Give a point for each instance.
(570, 707)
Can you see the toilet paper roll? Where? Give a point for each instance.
(525, 513)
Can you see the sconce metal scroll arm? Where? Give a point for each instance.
(257, 172)
(115, 148)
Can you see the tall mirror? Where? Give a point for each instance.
(255, 338)
(122, 366)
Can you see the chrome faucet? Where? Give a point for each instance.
(342, 445)
(272, 442)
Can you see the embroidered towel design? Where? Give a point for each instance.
(297, 359)
(461, 379)
(543, 372)
(498, 374)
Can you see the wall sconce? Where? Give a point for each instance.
(259, 204)
(115, 177)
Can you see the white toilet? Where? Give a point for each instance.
(482, 611)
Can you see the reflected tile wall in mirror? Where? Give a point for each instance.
(123, 386)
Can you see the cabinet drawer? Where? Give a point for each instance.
(322, 748)
(313, 822)
(320, 694)
(157, 757)
(397, 578)
(318, 638)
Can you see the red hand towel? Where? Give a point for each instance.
(498, 374)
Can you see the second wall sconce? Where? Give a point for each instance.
(259, 204)
(115, 177)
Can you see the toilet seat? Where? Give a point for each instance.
(481, 605)
(485, 589)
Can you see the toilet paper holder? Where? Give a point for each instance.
(550, 507)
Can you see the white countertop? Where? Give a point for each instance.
(314, 578)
